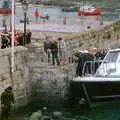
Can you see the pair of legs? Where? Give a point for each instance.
(48, 55)
(55, 57)
(6, 112)
(62, 56)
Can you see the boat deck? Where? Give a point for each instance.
(96, 79)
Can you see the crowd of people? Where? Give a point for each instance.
(55, 50)
(88, 61)
(19, 38)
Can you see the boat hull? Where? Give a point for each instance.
(97, 11)
(99, 90)
(5, 11)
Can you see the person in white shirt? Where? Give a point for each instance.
(62, 48)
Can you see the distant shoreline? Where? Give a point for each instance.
(55, 3)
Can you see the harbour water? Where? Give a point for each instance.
(56, 13)
(101, 111)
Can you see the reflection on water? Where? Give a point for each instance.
(100, 111)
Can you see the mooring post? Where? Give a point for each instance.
(86, 96)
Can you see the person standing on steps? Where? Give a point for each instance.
(62, 50)
(47, 47)
(54, 50)
(7, 101)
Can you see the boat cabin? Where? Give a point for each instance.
(110, 67)
(104, 84)
(86, 8)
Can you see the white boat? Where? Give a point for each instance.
(89, 10)
(105, 84)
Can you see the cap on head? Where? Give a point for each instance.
(59, 38)
(9, 88)
(85, 51)
(80, 51)
(94, 48)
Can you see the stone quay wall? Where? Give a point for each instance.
(104, 38)
(49, 84)
(36, 80)
(19, 78)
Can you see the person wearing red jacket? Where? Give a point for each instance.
(36, 14)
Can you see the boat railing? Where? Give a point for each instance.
(90, 68)
(99, 68)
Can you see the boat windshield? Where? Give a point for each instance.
(112, 56)
(110, 66)
(87, 8)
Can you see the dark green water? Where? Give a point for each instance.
(100, 111)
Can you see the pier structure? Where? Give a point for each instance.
(34, 77)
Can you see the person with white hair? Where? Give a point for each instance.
(36, 115)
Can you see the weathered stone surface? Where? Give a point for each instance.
(106, 37)
(47, 80)
(18, 78)
(33, 78)
(21, 101)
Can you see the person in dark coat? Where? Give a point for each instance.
(7, 99)
(21, 39)
(79, 68)
(47, 47)
(4, 42)
(28, 37)
(87, 57)
(54, 50)
(98, 57)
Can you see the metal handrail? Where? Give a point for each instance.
(91, 66)
(93, 70)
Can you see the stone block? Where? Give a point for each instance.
(18, 59)
(5, 76)
(17, 76)
(4, 64)
(20, 67)
(21, 101)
